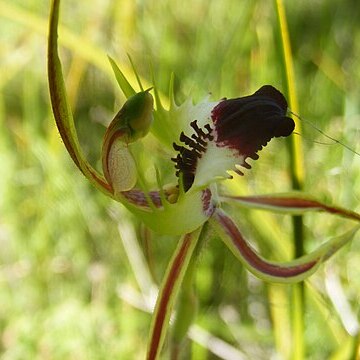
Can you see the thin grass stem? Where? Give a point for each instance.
(296, 170)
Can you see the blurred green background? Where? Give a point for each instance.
(67, 287)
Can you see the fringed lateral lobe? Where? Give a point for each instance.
(187, 158)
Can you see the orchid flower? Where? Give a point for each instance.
(207, 140)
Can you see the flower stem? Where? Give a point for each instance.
(168, 292)
(186, 308)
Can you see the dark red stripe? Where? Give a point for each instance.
(253, 259)
(297, 203)
(58, 102)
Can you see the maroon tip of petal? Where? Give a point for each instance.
(269, 91)
(249, 123)
(284, 126)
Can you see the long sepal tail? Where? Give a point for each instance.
(294, 203)
(286, 272)
(61, 108)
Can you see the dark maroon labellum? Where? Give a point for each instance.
(244, 124)
(249, 123)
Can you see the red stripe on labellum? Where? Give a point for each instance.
(255, 260)
(166, 294)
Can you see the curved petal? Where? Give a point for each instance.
(61, 108)
(288, 272)
(291, 203)
(168, 292)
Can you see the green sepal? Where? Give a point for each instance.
(285, 272)
(294, 203)
(124, 84)
(61, 107)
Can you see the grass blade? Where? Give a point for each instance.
(297, 177)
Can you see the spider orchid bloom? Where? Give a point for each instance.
(207, 140)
